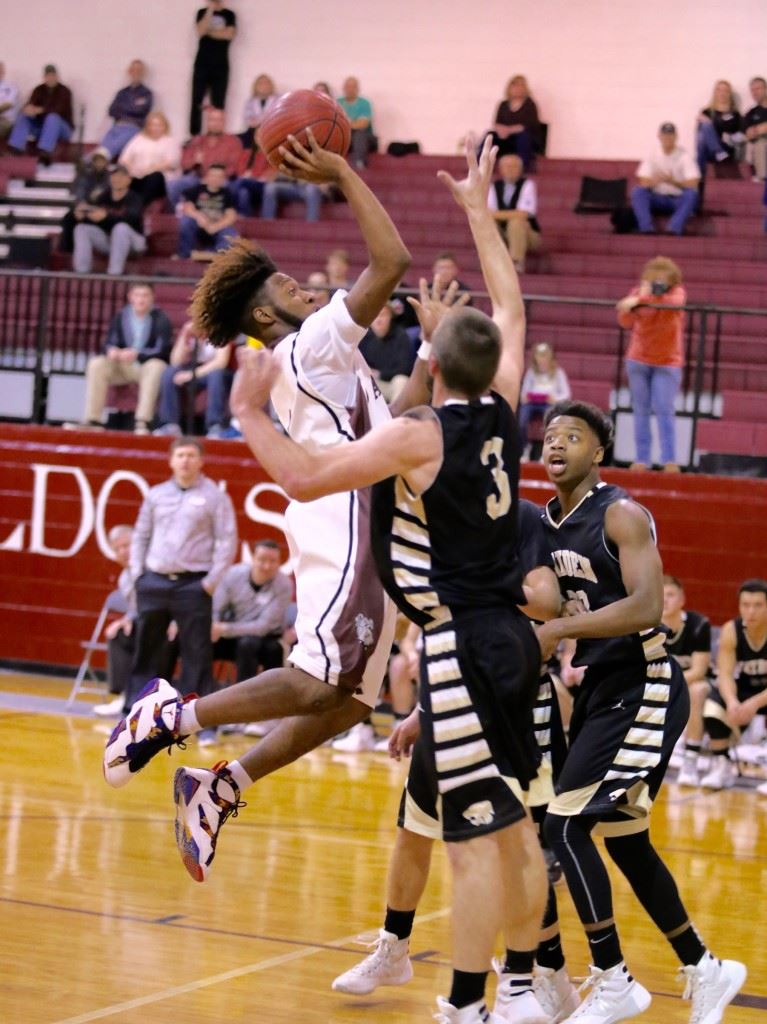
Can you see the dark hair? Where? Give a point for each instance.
(187, 442)
(140, 284)
(267, 542)
(597, 420)
(231, 286)
(446, 256)
(672, 581)
(755, 586)
(758, 78)
(467, 347)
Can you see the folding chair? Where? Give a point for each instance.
(115, 603)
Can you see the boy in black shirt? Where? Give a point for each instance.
(112, 224)
(209, 215)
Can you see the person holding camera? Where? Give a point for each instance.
(654, 356)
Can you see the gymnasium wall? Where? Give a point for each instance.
(60, 494)
(604, 72)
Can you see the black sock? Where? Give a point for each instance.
(519, 962)
(549, 953)
(691, 749)
(400, 716)
(687, 945)
(721, 753)
(605, 947)
(468, 987)
(399, 922)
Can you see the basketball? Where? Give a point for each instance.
(296, 111)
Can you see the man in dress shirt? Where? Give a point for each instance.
(184, 540)
(249, 608)
(128, 110)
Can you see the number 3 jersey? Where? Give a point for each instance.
(587, 567)
(454, 546)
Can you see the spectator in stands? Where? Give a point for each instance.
(719, 127)
(337, 267)
(136, 351)
(668, 184)
(543, 384)
(517, 126)
(216, 28)
(112, 224)
(323, 87)
(90, 181)
(513, 198)
(184, 540)
(129, 110)
(283, 189)
(46, 117)
(742, 682)
(9, 103)
(389, 353)
(209, 215)
(195, 365)
(317, 283)
(360, 112)
(654, 356)
(253, 171)
(689, 641)
(445, 270)
(152, 157)
(755, 128)
(263, 95)
(250, 605)
(214, 147)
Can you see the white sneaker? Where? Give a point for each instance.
(555, 992)
(381, 745)
(360, 738)
(111, 708)
(711, 986)
(261, 728)
(515, 1001)
(388, 964)
(688, 773)
(721, 776)
(762, 789)
(205, 798)
(614, 996)
(207, 737)
(474, 1013)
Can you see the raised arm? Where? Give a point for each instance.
(388, 259)
(498, 270)
(400, 446)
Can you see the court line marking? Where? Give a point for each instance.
(217, 979)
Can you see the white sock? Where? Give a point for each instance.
(188, 725)
(239, 775)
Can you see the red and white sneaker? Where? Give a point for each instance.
(151, 725)
(205, 798)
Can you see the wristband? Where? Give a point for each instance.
(424, 350)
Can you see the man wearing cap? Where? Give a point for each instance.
(668, 184)
(129, 109)
(46, 117)
(112, 224)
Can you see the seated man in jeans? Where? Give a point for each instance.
(209, 215)
(196, 365)
(249, 607)
(135, 352)
(668, 183)
(113, 224)
(284, 189)
(46, 117)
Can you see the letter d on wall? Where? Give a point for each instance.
(37, 545)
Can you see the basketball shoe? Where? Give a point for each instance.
(711, 985)
(388, 964)
(614, 995)
(515, 1001)
(722, 776)
(205, 799)
(151, 725)
(555, 992)
(474, 1013)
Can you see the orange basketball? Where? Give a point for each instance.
(296, 111)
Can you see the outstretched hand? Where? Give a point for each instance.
(311, 163)
(471, 193)
(433, 305)
(253, 381)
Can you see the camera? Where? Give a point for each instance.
(659, 287)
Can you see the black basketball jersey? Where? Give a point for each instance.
(455, 546)
(586, 564)
(692, 636)
(751, 665)
(532, 544)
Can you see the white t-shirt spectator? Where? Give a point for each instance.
(9, 93)
(678, 164)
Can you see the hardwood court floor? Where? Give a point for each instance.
(101, 922)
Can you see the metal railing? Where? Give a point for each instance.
(53, 322)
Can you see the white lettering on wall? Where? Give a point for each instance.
(16, 540)
(37, 545)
